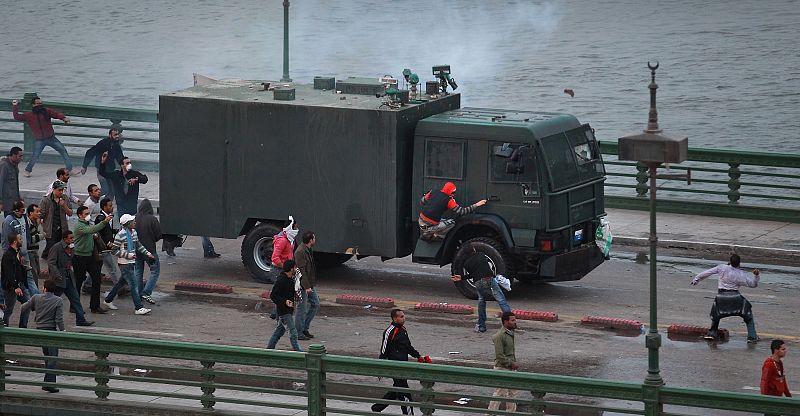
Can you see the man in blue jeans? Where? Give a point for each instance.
(481, 275)
(308, 303)
(148, 229)
(283, 295)
(38, 120)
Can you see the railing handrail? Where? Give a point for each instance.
(317, 363)
(744, 157)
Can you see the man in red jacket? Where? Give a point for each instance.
(38, 120)
(773, 380)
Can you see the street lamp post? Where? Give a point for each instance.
(285, 77)
(653, 148)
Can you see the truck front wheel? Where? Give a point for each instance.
(499, 261)
(257, 252)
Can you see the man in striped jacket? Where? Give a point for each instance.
(397, 346)
(126, 247)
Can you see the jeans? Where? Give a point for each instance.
(32, 288)
(128, 276)
(284, 321)
(71, 292)
(306, 310)
(82, 265)
(38, 147)
(50, 364)
(155, 271)
(105, 186)
(208, 248)
(110, 261)
(11, 300)
(498, 296)
(33, 258)
(751, 327)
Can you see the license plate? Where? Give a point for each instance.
(579, 235)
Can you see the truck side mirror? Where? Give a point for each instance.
(505, 150)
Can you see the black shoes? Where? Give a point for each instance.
(378, 407)
(308, 334)
(85, 323)
(99, 311)
(212, 255)
(50, 389)
(751, 340)
(303, 337)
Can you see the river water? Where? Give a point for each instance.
(729, 75)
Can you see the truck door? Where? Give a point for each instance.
(512, 185)
(445, 161)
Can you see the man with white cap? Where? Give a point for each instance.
(127, 247)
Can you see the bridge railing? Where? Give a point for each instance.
(214, 377)
(88, 125)
(724, 183)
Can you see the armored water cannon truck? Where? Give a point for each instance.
(351, 163)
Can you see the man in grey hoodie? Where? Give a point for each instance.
(149, 230)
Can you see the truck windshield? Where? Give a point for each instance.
(572, 157)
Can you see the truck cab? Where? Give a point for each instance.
(542, 174)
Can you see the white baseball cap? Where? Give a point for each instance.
(126, 218)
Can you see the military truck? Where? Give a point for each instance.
(351, 163)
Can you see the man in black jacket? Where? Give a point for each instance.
(283, 294)
(397, 346)
(111, 147)
(149, 230)
(59, 265)
(14, 281)
(125, 183)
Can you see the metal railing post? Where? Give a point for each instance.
(651, 395)
(427, 397)
(207, 375)
(102, 371)
(734, 173)
(27, 134)
(315, 380)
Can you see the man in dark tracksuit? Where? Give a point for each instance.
(397, 346)
(434, 205)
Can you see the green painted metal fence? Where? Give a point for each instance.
(89, 124)
(725, 183)
(219, 377)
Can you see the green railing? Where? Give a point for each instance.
(724, 183)
(88, 125)
(211, 376)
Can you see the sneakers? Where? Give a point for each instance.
(99, 311)
(110, 306)
(479, 328)
(303, 337)
(212, 255)
(148, 299)
(85, 323)
(711, 335)
(50, 389)
(308, 334)
(751, 340)
(26, 174)
(142, 311)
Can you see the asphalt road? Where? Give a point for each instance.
(618, 288)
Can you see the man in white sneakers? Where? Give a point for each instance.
(126, 247)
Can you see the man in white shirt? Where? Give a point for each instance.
(729, 302)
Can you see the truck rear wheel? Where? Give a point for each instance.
(328, 260)
(500, 262)
(257, 252)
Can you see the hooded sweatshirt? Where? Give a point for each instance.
(436, 203)
(147, 226)
(282, 244)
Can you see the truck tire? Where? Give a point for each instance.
(257, 252)
(496, 253)
(328, 260)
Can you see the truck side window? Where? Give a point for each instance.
(444, 159)
(499, 165)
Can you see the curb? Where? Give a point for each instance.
(614, 323)
(358, 300)
(191, 286)
(694, 330)
(530, 315)
(791, 256)
(444, 307)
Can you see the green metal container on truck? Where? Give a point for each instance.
(239, 157)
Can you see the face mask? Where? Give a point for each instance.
(86, 217)
(291, 234)
(128, 166)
